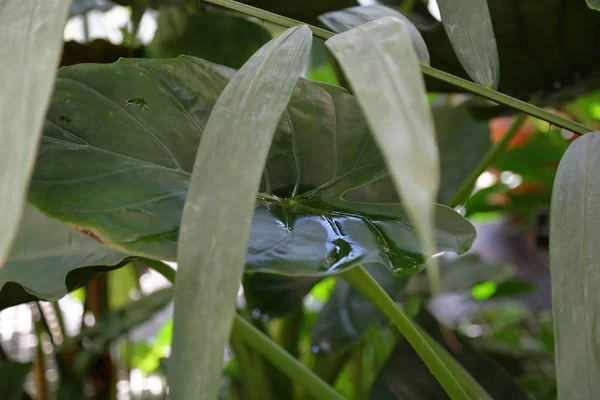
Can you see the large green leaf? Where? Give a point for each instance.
(134, 163)
(50, 259)
(31, 38)
(13, 379)
(347, 315)
(469, 27)
(218, 210)
(575, 269)
(555, 58)
(341, 21)
(222, 39)
(380, 62)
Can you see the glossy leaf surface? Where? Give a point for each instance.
(31, 38)
(575, 269)
(469, 27)
(50, 259)
(379, 61)
(222, 39)
(219, 206)
(130, 192)
(343, 20)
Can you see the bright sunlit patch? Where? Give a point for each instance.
(485, 180)
(484, 290)
(434, 9)
(595, 110)
(474, 331)
(510, 179)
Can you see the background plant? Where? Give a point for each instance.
(317, 194)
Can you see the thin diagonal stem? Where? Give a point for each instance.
(464, 84)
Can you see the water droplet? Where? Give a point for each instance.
(64, 118)
(138, 101)
(265, 317)
(255, 313)
(315, 349)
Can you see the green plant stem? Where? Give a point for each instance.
(247, 367)
(479, 90)
(290, 366)
(465, 190)
(363, 282)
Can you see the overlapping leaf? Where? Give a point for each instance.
(341, 21)
(50, 259)
(31, 37)
(219, 206)
(132, 128)
(469, 27)
(575, 269)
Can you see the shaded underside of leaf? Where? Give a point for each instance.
(32, 39)
(343, 20)
(222, 39)
(219, 206)
(379, 60)
(134, 154)
(469, 27)
(575, 269)
(50, 259)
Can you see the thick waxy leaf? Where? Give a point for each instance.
(461, 274)
(575, 269)
(347, 315)
(469, 27)
(134, 163)
(593, 4)
(50, 259)
(31, 37)
(13, 378)
(406, 377)
(341, 21)
(219, 206)
(222, 39)
(382, 67)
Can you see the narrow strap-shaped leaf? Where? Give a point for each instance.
(342, 20)
(575, 269)
(469, 27)
(219, 207)
(31, 37)
(594, 4)
(380, 63)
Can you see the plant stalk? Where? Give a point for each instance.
(465, 190)
(475, 88)
(290, 366)
(364, 283)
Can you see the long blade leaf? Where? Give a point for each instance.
(31, 37)
(219, 207)
(379, 60)
(575, 269)
(469, 27)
